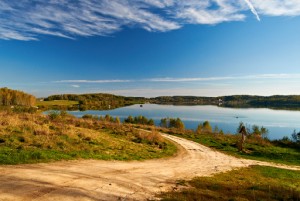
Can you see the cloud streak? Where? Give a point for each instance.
(28, 20)
(91, 81)
(253, 10)
(195, 79)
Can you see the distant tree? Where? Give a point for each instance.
(16, 98)
(264, 132)
(207, 127)
(260, 131)
(117, 120)
(199, 128)
(216, 129)
(129, 119)
(296, 136)
(255, 130)
(164, 122)
(241, 124)
(179, 124)
(107, 117)
(151, 122)
(204, 127)
(172, 123)
(244, 134)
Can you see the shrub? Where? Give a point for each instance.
(53, 115)
(205, 127)
(172, 123)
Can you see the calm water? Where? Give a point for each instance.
(279, 122)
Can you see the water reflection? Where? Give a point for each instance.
(279, 122)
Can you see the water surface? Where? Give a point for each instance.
(279, 122)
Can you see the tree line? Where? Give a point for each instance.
(9, 97)
(277, 101)
(109, 101)
(97, 101)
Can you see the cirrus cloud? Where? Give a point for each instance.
(27, 20)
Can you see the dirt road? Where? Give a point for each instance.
(110, 180)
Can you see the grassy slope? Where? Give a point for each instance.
(252, 183)
(57, 102)
(255, 148)
(31, 138)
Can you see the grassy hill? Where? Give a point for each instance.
(31, 138)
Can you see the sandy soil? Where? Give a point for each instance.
(111, 180)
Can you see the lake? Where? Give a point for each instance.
(280, 123)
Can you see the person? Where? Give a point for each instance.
(243, 139)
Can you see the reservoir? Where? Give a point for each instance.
(280, 123)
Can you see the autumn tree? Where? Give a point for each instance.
(9, 97)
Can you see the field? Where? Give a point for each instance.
(56, 103)
(32, 138)
(252, 183)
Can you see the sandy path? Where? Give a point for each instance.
(110, 180)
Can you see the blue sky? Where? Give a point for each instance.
(151, 47)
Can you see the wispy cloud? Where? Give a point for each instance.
(278, 7)
(91, 81)
(253, 10)
(195, 79)
(27, 20)
(242, 77)
(191, 79)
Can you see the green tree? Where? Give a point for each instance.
(179, 124)
(164, 123)
(151, 122)
(129, 120)
(206, 127)
(296, 136)
(199, 128)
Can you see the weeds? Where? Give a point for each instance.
(252, 183)
(30, 138)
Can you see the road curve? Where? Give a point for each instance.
(115, 180)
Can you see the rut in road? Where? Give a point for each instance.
(115, 180)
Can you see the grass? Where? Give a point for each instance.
(32, 138)
(252, 183)
(255, 148)
(56, 103)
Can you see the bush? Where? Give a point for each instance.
(172, 123)
(87, 116)
(205, 127)
(53, 115)
(151, 138)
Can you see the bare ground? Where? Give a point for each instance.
(114, 180)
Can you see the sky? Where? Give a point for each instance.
(151, 47)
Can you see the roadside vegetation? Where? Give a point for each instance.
(251, 183)
(31, 138)
(256, 146)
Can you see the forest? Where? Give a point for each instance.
(97, 101)
(9, 97)
(275, 102)
(102, 101)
